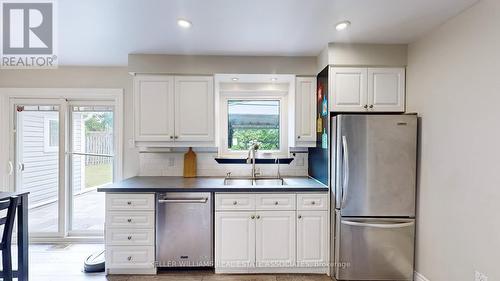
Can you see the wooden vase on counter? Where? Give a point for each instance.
(190, 164)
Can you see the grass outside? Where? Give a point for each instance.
(96, 175)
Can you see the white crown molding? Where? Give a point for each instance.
(420, 277)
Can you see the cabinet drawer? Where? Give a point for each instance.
(139, 219)
(130, 257)
(130, 201)
(234, 201)
(130, 237)
(275, 201)
(312, 201)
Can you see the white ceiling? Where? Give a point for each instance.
(103, 32)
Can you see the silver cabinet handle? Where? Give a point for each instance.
(176, 137)
(371, 105)
(378, 225)
(129, 220)
(345, 167)
(258, 217)
(129, 258)
(129, 203)
(171, 137)
(235, 202)
(300, 216)
(298, 137)
(129, 238)
(194, 200)
(366, 106)
(276, 203)
(313, 203)
(252, 217)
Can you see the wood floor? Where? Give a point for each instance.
(65, 262)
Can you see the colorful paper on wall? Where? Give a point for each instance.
(324, 140)
(319, 124)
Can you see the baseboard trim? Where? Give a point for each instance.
(270, 270)
(420, 277)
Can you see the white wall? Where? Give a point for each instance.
(454, 84)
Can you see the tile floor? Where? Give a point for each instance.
(64, 263)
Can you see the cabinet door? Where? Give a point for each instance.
(312, 238)
(235, 239)
(386, 89)
(154, 108)
(348, 89)
(194, 108)
(305, 110)
(275, 239)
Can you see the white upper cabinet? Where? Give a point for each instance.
(386, 89)
(194, 108)
(348, 91)
(154, 108)
(174, 110)
(367, 89)
(305, 111)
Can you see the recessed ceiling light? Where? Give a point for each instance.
(184, 23)
(234, 79)
(342, 25)
(274, 79)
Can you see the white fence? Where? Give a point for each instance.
(98, 143)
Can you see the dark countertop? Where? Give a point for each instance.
(211, 184)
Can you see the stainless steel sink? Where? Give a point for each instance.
(269, 182)
(249, 181)
(238, 182)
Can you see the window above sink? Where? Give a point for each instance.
(254, 108)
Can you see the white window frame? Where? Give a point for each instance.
(46, 135)
(265, 96)
(269, 92)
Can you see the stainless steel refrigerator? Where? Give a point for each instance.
(373, 190)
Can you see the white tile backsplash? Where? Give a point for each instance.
(172, 164)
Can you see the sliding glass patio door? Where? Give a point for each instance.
(91, 165)
(63, 151)
(39, 156)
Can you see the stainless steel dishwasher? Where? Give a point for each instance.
(184, 229)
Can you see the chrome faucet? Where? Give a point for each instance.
(254, 146)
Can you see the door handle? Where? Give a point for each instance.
(345, 167)
(20, 166)
(11, 168)
(195, 200)
(378, 225)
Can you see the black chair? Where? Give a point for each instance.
(5, 245)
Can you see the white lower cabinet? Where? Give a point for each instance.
(275, 239)
(312, 238)
(235, 239)
(267, 240)
(130, 233)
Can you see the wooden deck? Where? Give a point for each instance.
(88, 214)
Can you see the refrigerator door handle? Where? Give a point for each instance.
(345, 168)
(377, 225)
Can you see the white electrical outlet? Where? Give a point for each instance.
(478, 276)
(171, 161)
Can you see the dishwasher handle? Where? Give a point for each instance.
(186, 200)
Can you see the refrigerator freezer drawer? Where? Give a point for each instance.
(375, 249)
